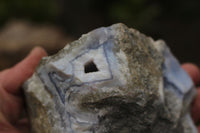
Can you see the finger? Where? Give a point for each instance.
(193, 71)
(7, 128)
(13, 78)
(198, 129)
(10, 106)
(195, 110)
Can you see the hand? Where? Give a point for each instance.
(11, 101)
(194, 73)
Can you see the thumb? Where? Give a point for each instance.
(11, 79)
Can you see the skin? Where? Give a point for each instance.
(194, 73)
(11, 99)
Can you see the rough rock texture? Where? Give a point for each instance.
(111, 80)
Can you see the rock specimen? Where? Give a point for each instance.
(111, 80)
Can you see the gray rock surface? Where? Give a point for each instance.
(111, 80)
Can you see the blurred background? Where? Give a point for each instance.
(54, 23)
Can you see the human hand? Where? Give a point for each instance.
(11, 101)
(194, 73)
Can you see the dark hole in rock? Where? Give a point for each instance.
(90, 67)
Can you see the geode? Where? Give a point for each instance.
(111, 80)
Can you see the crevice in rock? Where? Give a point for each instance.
(90, 67)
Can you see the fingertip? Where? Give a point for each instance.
(14, 77)
(193, 71)
(26, 67)
(38, 51)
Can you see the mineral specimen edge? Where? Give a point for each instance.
(111, 80)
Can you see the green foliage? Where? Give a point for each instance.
(80, 16)
(136, 13)
(36, 10)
